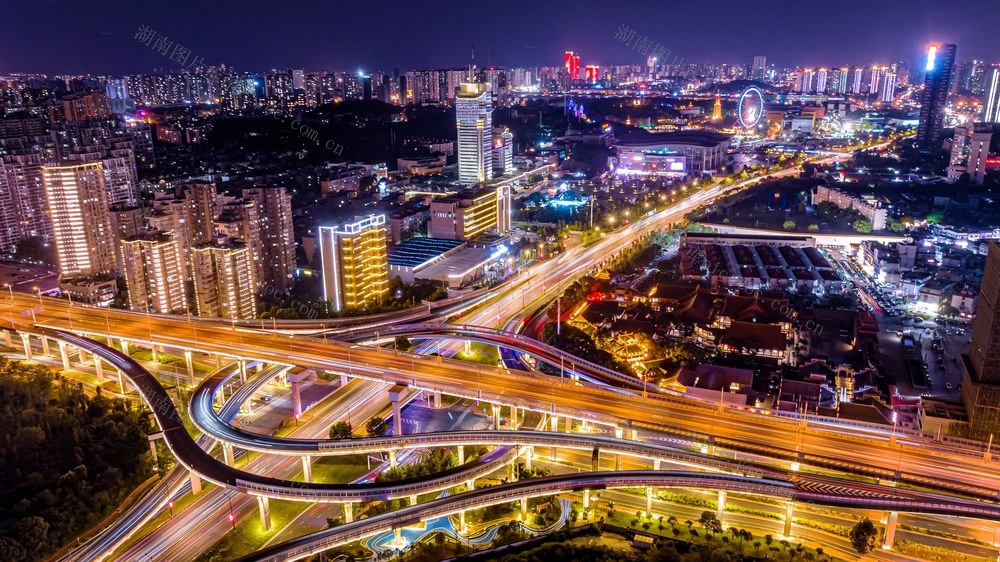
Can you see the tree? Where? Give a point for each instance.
(376, 427)
(864, 536)
(403, 343)
(788, 225)
(341, 430)
(813, 228)
(863, 226)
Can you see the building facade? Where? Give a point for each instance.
(84, 239)
(355, 263)
(937, 81)
(474, 114)
(153, 273)
(224, 282)
(471, 213)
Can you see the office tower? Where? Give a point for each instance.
(274, 206)
(81, 228)
(758, 71)
(503, 151)
(856, 80)
(224, 281)
(593, 73)
(199, 200)
(991, 107)
(821, 76)
(152, 267)
(474, 111)
(981, 381)
(888, 87)
(940, 60)
(471, 213)
(355, 262)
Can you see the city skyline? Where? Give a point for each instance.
(340, 36)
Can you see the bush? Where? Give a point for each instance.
(864, 536)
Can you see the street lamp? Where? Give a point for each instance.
(38, 292)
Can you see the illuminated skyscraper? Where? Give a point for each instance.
(888, 86)
(571, 62)
(81, 228)
(876, 78)
(806, 79)
(153, 273)
(474, 113)
(593, 73)
(940, 60)
(856, 80)
(355, 262)
(224, 282)
(842, 74)
(821, 76)
(717, 108)
(991, 108)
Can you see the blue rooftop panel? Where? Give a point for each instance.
(416, 251)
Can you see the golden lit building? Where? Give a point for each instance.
(225, 284)
(468, 214)
(355, 262)
(81, 227)
(153, 273)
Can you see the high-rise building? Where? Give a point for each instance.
(81, 228)
(240, 220)
(981, 381)
(888, 87)
(806, 80)
(224, 281)
(875, 79)
(503, 151)
(991, 107)
(841, 80)
(970, 148)
(758, 71)
(940, 60)
(571, 61)
(593, 73)
(355, 262)
(859, 73)
(153, 273)
(471, 213)
(277, 237)
(821, 76)
(474, 114)
(199, 198)
(26, 208)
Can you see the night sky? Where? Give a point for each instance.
(77, 36)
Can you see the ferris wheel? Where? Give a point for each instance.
(751, 107)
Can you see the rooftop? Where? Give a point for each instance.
(418, 251)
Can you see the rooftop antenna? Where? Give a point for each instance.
(472, 65)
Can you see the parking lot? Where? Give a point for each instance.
(941, 349)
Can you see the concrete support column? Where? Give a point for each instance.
(461, 522)
(554, 421)
(343, 381)
(121, 382)
(496, 416)
(152, 449)
(512, 470)
(307, 468)
(595, 460)
(720, 511)
(348, 512)
(227, 454)
(569, 424)
(397, 533)
(656, 464)
(470, 485)
(64, 353)
(296, 400)
(397, 410)
(218, 361)
(83, 356)
(98, 369)
(618, 461)
(125, 347)
(649, 501)
(392, 458)
(195, 484)
(220, 396)
(45, 344)
(413, 500)
(190, 366)
(586, 499)
(789, 508)
(528, 453)
(461, 454)
(524, 509)
(152, 352)
(243, 371)
(437, 399)
(6, 338)
(26, 340)
(890, 530)
(265, 512)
